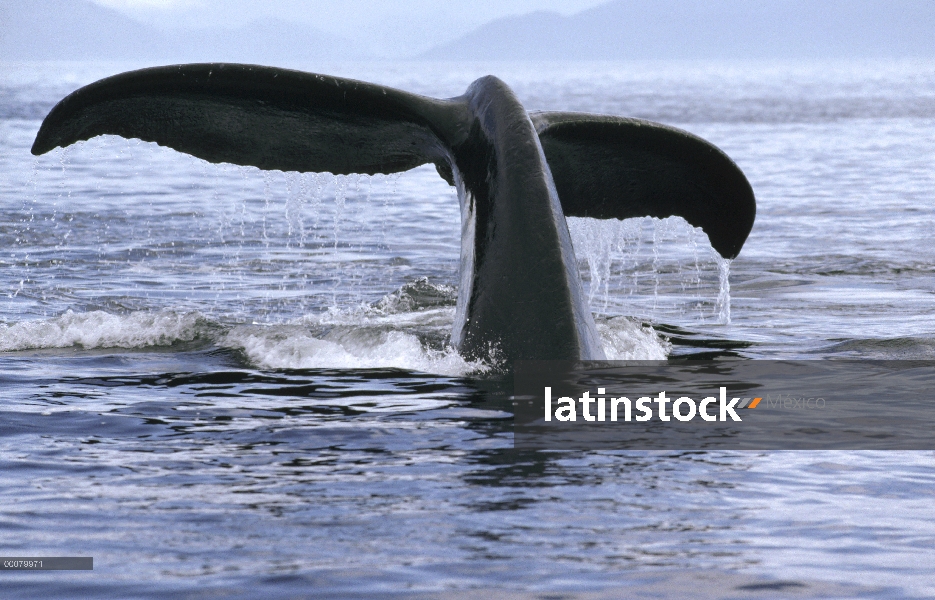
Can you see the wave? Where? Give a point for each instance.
(901, 348)
(99, 329)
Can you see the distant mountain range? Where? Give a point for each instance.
(618, 30)
(664, 29)
(81, 30)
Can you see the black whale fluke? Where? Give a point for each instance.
(518, 175)
(613, 167)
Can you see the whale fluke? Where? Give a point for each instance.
(612, 167)
(259, 116)
(518, 175)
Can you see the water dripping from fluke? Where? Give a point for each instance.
(655, 263)
(723, 296)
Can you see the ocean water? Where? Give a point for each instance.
(223, 382)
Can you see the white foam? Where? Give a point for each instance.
(360, 338)
(385, 334)
(99, 329)
(293, 347)
(625, 339)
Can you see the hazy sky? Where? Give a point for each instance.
(328, 12)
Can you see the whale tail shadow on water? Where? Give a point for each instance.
(518, 175)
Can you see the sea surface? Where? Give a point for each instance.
(223, 382)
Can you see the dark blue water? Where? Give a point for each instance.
(220, 382)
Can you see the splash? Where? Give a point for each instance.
(292, 347)
(626, 339)
(417, 295)
(406, 329)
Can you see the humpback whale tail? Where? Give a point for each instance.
(518, 174)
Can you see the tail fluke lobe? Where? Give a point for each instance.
(613, 167)
(260, 116)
